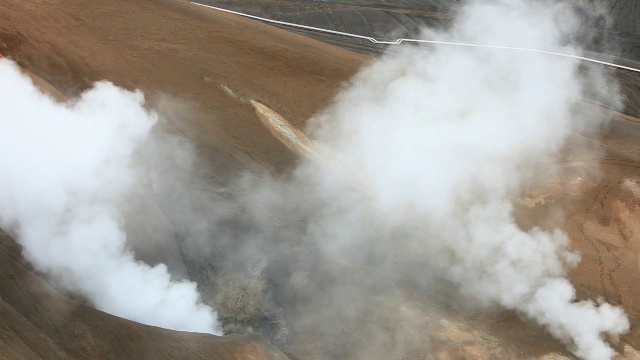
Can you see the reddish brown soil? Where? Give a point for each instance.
(37, 322)
(172, 50)
(176, 54)
(185, 52)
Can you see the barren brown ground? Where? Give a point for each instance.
(171, 48)
(176, 54)
(213, 64)
(37, 322)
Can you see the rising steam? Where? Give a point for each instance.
(448, 138)
(441, 142)
(65, 170)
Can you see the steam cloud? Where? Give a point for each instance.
(448, 138)
(442, 141)
(65, 170)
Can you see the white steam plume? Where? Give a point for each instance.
(64, 169)
(448, 138)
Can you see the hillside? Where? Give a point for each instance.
(200, 69)
(171, 51)
(608, 33)
(619, 34)
(38, 322)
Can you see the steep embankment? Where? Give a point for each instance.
(194, 56)
(210, 64)
(214, 63)
(38, 322)
(384, 18)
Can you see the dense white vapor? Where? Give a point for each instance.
(64, 171)
(448, 138)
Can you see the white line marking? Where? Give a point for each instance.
(435, 42)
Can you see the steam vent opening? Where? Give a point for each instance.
(320, 180)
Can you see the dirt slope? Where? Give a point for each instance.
(175, 53)
(403, 18)
(37, 322)
(215, 63)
